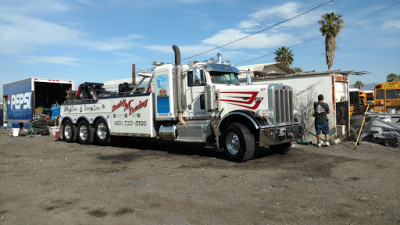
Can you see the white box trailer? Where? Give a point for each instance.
(21, 98)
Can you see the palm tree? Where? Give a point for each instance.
(359, 84)
(391, 77)
(284, 55)
(330, 28)
(297, 69)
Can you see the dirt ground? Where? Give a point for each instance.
(45, 181)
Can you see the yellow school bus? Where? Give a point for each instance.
(358, 101)
(387, 97)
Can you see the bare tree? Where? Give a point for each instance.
(304, 102)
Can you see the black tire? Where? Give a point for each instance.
(101, 133)
(69, 131)
(85, 133)
(238, 142)
(282, 148)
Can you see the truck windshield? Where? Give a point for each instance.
(224, 77)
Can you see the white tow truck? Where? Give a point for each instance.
(198, 102)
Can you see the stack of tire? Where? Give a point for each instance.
(39, 126)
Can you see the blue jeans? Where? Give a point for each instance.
(324, 127)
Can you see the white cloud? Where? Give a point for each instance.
(256, 41)
(63, 60)
(277, 37)
(113, 44)
(37, 7)
(153, 3)
(21, 31)
(248, 24)
(259, 20)
(286, 11)
(24, 33)
(21, 34)
(186, 50)
(391, 25)
(190, 50)
(160, 48)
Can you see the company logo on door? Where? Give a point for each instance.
(127, 105)
(20, 101)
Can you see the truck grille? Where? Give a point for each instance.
(283, 106)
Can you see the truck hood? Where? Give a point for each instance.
(275, 100)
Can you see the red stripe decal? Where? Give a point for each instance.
(247, 100)
(248, 107)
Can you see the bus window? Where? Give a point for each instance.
(392, 94)
(387, 97)
(379, 94)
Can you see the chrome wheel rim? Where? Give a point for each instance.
(68, 131)
(102, 131)
(83, 133)
(232, 143)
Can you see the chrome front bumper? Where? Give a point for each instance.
(279, 135)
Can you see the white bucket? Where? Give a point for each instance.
(53, 130)
(15, 132)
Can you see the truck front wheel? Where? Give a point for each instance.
(101, 132)
(85, 133)
(69, 131)
(239, 142)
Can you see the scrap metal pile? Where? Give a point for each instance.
(382, 128)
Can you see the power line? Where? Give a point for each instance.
(303, 42)
(376, 12)
(260, 31)
(300, 43)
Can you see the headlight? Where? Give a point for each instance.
(267, 115)
(264, 113)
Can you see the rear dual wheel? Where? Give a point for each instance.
(69, 131)
(101, 132)
(85, 133)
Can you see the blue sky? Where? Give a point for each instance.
(89, 40)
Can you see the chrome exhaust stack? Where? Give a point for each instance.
(179, 84)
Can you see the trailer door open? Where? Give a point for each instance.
(44, 99)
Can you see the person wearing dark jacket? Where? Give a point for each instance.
(321, 109)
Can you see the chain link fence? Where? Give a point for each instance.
(356, 122)
(380, 128)
(342, 113)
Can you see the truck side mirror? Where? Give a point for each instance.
(199, 78)
(196, 73)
